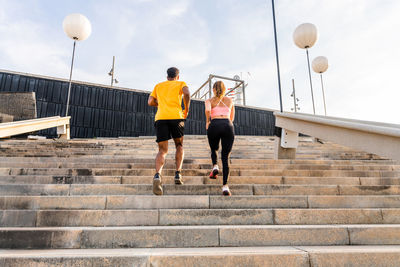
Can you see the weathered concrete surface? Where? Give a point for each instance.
(249, 202)
(215, 217)
(354, 256)
(6, 118)
(150, 237)
(283, 235)
(328, 216)
(21, 105)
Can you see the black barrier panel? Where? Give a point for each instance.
(101, 111)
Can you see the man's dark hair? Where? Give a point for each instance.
(172, 72)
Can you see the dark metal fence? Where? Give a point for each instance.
(102, 111)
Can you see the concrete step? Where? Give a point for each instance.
(198, 236)
(80, 165)
(194, 189)
(133, 159)
(197, 180)
(300, 256)
(167, 217)
(195, 172)
(113, 202)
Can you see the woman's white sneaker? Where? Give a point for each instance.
(226, 191)
(214, 173)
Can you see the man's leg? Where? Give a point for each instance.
(162, 153)
(160, 160)
(177, 128)
(179, 153)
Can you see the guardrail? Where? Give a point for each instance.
(20, 127)
(205, 94)
(378, 138)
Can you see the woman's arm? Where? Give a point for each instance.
(232, 116)
(207, 104)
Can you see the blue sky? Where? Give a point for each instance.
(225, 37)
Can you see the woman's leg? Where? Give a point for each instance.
(213, 141)
(227, 143)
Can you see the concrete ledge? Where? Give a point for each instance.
(378, 138)
(157, 257)
(316, 256)
(27, 126)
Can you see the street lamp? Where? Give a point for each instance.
(277, 55)
(78, 28)
(305, 36)
(320, 65)
(112, 72)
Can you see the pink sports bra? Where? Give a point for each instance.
(218, 110)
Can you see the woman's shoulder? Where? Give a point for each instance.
(228, 100)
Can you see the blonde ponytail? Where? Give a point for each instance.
(220, 89)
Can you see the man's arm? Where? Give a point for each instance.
(186, 100)
(152, 101)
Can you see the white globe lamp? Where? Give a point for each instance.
(320, 65)
(77, 27)
(305, 36)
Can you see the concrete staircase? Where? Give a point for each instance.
(90, 203)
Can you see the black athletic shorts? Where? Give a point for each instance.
(167, 129)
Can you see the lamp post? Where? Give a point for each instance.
(277, 56)
(112, 72)
(295, 99)
(78, 28)
(320, 65)
(305, 36)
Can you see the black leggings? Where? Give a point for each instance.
(221, 129)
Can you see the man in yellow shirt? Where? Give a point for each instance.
(169, 122)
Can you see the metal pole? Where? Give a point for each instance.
(112, 71)
(70, 78)
(209, 86)
(323, 93)
(294, 96)
(309, 74)
(244, 95)
(277, 57)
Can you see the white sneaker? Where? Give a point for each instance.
(214, 172)
(226, 191)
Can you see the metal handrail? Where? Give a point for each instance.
(197, 93)
(201, 87)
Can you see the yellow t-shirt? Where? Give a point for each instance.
(169, 97)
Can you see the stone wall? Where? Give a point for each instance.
(20, 105)
(6, 118)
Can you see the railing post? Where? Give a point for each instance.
(244, 94)
(286, 145)
(64, 131)
(209, 86)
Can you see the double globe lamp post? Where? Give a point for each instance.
(305, 36)
(78, 28)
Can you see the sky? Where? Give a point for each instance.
(360, 38)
